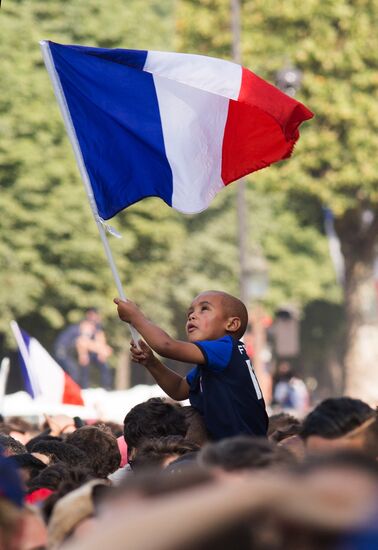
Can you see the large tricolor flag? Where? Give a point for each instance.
(175, 126)
(43, 377)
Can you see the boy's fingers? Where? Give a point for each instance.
(143, 345)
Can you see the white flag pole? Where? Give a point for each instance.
(59, 94)
(26, 357)
(4, 372)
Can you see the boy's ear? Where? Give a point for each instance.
(233, 324)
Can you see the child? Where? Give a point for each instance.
(222, 387)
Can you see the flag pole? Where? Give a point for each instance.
(25, 356)
(59, 94)
(4, 372)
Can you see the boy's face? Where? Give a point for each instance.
(206, 318)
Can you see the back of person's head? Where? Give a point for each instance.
(161, 452)
(243, 453)
(56, 474)
(57, 450)
(153, 419)
(339, 460)
(114, 427)
(282, 426)
(18, 428)
(365, 437)
(11, 446)
(335, 417)
(61, 480)
(100, 448)
(28, 465)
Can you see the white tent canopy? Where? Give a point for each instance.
(98, 404)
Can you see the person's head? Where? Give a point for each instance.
(161, 452)
(92, 315)
(364, 438)
(18, 428)
(332, 419)
(100, 448)
(283, 426)
(87, 328)
(50, 451)
(284, 371)
(243, 453)
(213, 314)
(11, 446)
(154, 418)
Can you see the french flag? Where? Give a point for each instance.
(176, 126)
(43, 377)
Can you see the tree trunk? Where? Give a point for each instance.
(359, 246)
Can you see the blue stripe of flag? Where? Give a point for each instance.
(115, 112)
(24, 370)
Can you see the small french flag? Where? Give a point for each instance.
(43, 377)
(176, 126)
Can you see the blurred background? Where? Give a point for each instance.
(298, 241)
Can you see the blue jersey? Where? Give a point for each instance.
(225, 390)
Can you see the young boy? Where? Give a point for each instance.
(222, 387)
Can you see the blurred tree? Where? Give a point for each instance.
(334, 43)
(52, 265)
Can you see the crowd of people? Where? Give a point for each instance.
(308, 484)
(218, 473)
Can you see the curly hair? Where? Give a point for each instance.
(11, 446)
(62, 480)
(100, 447)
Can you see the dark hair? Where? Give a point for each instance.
(44, 436)
(243, 453)
(62, 480)
(345, 458)
(154, 451)
(100, 447)
(282, 426)
(335, 417)
(11, 446)
(30, 463)
(18, 424)
(50, 477)
(114, 427)
(151, 483)
(60, 451)
(153, 419)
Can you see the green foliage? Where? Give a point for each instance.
(52, 264)
(51, 260)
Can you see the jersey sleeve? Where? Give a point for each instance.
(191, 375)
(217, 353)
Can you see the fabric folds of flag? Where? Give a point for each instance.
(43, 377)
(175, 126)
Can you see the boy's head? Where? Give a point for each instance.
(213, 314)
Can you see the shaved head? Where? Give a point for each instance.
(232, 307)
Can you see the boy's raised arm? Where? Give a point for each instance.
(172, 383)
(157, 338)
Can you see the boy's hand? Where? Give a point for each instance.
(142, 354)
(126, 309)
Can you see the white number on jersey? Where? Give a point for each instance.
(254, 379)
